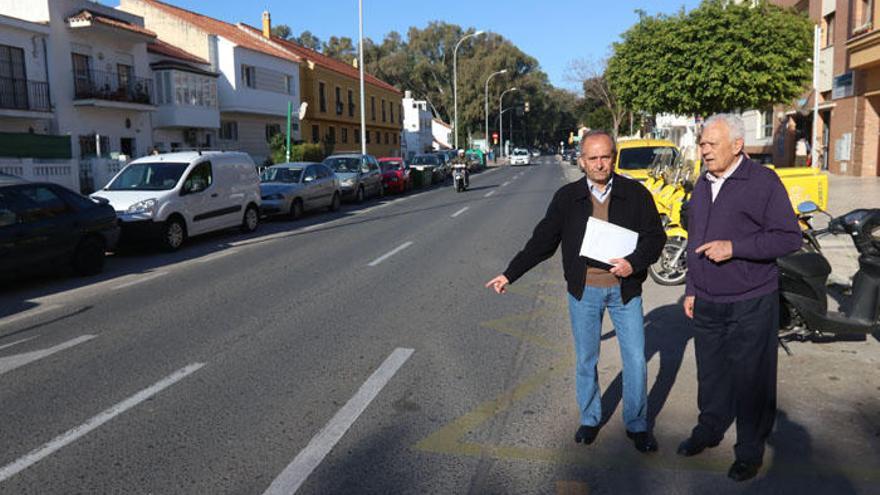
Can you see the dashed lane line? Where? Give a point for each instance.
(145, 278)
(488, 194)
(295, 474)
(22, 341)
(10, 363)
(94, 423)
(391, 253)
(459, 212)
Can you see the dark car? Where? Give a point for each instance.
(43, 223)
(429, 162)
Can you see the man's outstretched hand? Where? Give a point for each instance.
(498, 284)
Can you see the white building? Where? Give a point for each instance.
(680, 129)
(442, 135)
(99, 95)
(257, 78)
(418, 135)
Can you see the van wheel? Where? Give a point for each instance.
(251, 219)
(359, 195)
(173, 234)
(334, 203)
(88, 259)
(296, 209)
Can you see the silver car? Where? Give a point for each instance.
(359, 175)
(294, 188)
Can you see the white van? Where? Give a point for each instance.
(172, 196)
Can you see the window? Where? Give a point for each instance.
(272, 130)
(322, 97)
(391, 111)
(331, 135)
(40, 203)
(249, 76)
(82, 74)
(372, 108)
(316, 134)
(378, 137)
(863, 14)
(339, 104)
(124, 75)
(767, 123)
(127, 146)
(88, 148)
(13, 78)
(289, 86)
(350, 103)
(344, 132)
(357, 136)
(228, 130)
(829, 30)
(199, 179)
(311, 174)
(368, 136)
(383, 110)
(387, 138)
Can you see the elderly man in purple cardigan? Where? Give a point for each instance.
(740, 222)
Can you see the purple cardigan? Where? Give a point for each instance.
(753, 211)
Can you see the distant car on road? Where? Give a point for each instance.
(359, 175)
(520, 156)
(43, 223)
(431, 162)
(395, 174)
(294, 188)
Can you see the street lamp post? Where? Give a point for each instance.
(502, 71)
(361, 69)
(455, 84)
(501, 117)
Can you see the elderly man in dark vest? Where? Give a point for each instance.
(740, 221)
(594, 287)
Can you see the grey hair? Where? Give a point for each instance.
(600, 132)
(735, 126)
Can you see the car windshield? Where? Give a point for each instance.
(520, 152)
(148, 177)
(281, 174)
(644, 157)
(425, 160)
(390, 166)
(343, 165)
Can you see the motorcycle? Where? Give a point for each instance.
(459, 180)
(671, 189)
(803, 277)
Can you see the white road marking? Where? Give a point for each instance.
(488, 194)
(295, 474)
(459, 212)
(74, 434)
(390, 253)
(215, 256)
(22, 341)
(145, 278)
(10, 363)
(29, 313)
(505, 184)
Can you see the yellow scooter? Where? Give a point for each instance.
(671, 200)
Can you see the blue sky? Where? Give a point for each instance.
(553, 31)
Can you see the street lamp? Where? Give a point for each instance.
(502, 71)
(455, 83)
(501, 117)
(361, 69)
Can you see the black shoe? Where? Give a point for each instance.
(692, 446)
(586, 434)
(643, 440)
(742, 470)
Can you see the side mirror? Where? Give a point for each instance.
(308, 178)
(807, 207)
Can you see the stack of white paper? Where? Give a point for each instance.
(605, 241)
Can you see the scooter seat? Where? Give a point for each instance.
(807, 265)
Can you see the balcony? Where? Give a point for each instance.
(112, 89)
(23, 98)
(864, 49)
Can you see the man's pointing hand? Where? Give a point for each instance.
(498, 284)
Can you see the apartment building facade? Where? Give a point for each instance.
(417, 128)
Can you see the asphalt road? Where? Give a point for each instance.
(358, 352)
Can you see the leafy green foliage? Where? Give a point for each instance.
(308, 40)
(304, 152)
(282, 31)
(717, 57)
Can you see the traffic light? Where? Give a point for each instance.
(494, 138)
(527, 106)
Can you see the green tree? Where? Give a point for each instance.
(718, 57)
(340, 48)
(308, 40)
(282, 31)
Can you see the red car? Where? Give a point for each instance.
(395, 175)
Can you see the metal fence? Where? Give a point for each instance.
(22, 94)
(115, 86)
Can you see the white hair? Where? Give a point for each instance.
(736, 128)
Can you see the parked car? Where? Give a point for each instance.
(359, 175)
(395, 174)
(519, 156)
(535, 152)
(428, 161)
(636, 157)
(173, 196)
(42, 224)
(294, 188)
(445, 167)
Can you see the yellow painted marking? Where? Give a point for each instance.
(572, 488)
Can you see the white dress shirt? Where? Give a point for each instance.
(717, 182)
(600, 195)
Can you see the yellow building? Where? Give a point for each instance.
(332, 90)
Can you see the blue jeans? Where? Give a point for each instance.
(586, 325)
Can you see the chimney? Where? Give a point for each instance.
(267, 24)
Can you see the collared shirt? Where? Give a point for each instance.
(597, 193)
(717, 182)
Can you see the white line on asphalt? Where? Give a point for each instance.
(74, 434)
(215, 256)
(295, 474)
(505, 184)
(143, 279)
(10, 363)
(391, 253)
(29, 313)
(22, 341)
(488, 194)
(459, 212)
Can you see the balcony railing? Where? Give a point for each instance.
(113, 86)
(21, 94)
